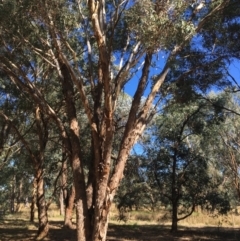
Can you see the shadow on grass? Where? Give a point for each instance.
(18, 229)
(22, 230)
(162, 233)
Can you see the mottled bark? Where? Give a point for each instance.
(83, 225)
(43, 226)
(90, 189)
(42, 128)
(63, 181)
(34, 200)
(101, 222)
(69, 209)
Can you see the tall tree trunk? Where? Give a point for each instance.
(34, 200)
(101, 222)
(68, 196)
(19, 195)
(90, 189)
(41, 204)
(174, 227)
(69, 200)
(61, 203)
(83, 224)
(39, 161)
(12, 202)
(101, 206)
(175, 194)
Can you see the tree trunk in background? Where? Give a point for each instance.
(61, 203)
(63, 180)
(12, 208)
(63, 184)
(42, 128)
(90, 187)
(67, 196)
(41, 204)
(175, 193)
(174, 227)
(34, 200)
(69, 200)
(83, 224)
(19, 195)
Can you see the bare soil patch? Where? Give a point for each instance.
(21, 230)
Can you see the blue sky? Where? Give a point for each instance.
(234, 70)
(130, 87)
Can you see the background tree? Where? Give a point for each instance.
(225, 138)
(134, 191)
(179, 165)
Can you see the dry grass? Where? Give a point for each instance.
(163, 217)
(141, 226)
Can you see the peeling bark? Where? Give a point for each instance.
(43, 226)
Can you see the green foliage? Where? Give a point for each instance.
(225, 142)
(217, 202)
(178, 165)
(159, 25)
(135, 192)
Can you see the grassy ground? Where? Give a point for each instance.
(141, 226)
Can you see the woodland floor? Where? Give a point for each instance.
(17, 229)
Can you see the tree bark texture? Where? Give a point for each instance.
(174, 226)
(69, 201)
(34, 199)
(43, 226)
(83, 228)
(42, 129)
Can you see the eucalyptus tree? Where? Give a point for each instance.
(225, 147)
(28, 130)
(96, 48)
(135, 191)
(230, 158)
(24, 132)
(15, 184)
(177, 162)
(13, 122)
